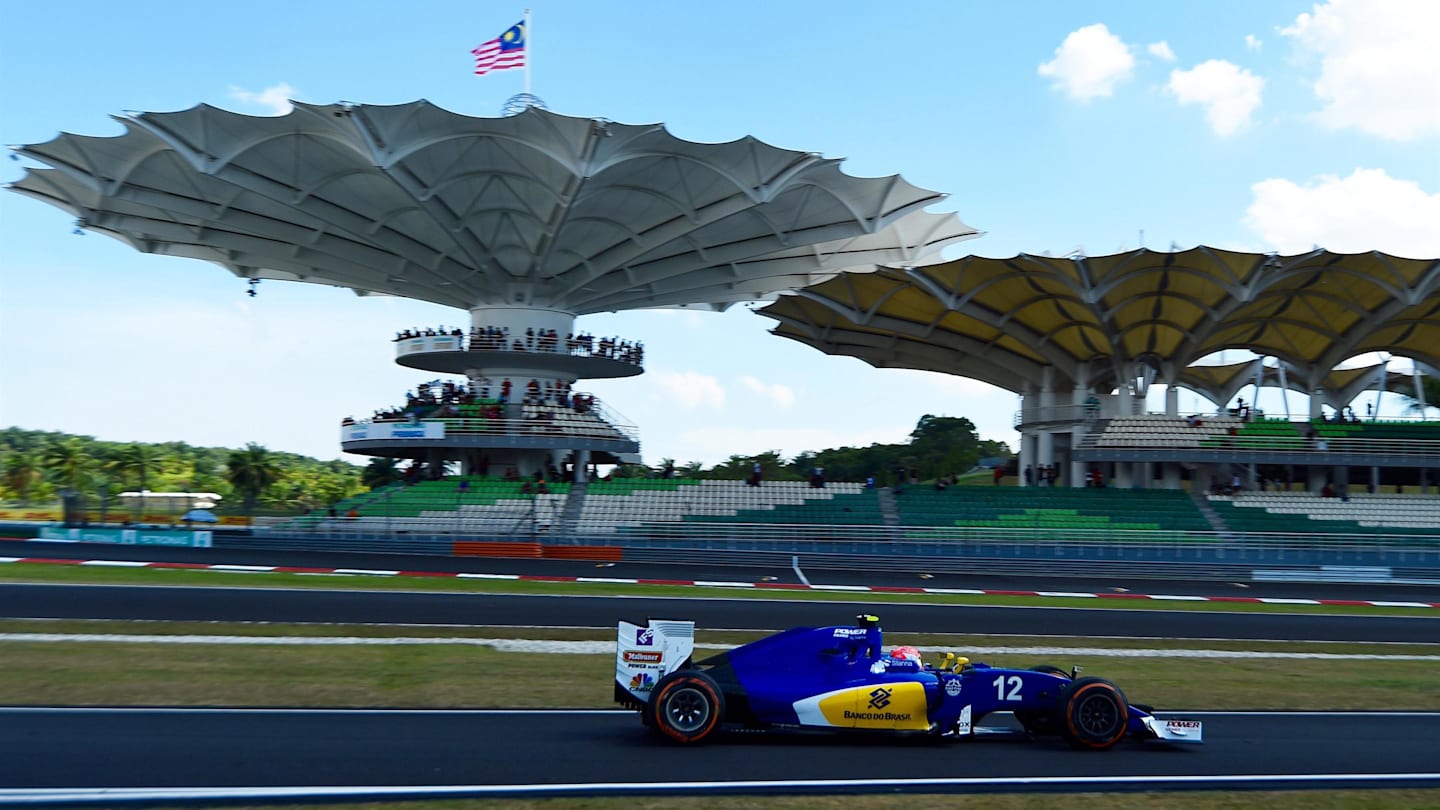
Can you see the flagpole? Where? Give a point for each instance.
(529, 52)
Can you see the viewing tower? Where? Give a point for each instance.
(525, 222)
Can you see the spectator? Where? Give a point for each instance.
(998, 474)
(1029, 475)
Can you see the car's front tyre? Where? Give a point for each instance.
(1094, 714)
(686, 707)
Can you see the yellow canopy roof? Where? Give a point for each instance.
(1099, 319)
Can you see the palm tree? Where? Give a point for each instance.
(137, 462)
(380, 472)
(69, 464)
(251, 471)
(21, 473)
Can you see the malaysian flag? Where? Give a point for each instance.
(503, 52)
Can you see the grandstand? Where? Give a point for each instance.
(619, 506)
(1060, 512)
(1307, 512)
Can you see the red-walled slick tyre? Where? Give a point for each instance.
(1093, 714)
(686, 707)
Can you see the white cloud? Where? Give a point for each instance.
(275, 100)
(778, 394)
(1089, 63)
(1161, 50)
(1379, 65)
(1253, 42)
(1369, 210)
(690, 389)
(1228, 93)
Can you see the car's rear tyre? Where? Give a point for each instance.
(686, 707)
(1093, 714)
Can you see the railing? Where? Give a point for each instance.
(438, 340)
(596, 421)
(1222, 443)
(595, 429)
(1052, 552)
(1057, 413)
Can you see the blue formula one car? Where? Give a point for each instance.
(839, 678)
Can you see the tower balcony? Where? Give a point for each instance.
(514, 426)
(455, 352)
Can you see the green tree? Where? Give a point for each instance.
(21, 474)
(69, 464)
(251, 471)
(380, 472)
(138, 463)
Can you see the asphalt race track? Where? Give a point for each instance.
(486, 752)
(118, 757)
(388, 607)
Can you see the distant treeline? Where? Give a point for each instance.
(36, 466)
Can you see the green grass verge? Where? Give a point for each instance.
(99, 575)
(469, 676)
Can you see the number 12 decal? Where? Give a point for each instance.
(1000, 683)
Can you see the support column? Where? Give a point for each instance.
(1171, 473)
(1046, 454)
(1172, 400)
(582, 466)
(1080, 398)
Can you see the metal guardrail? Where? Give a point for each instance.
(600, 428)
(902, 540)
(1427, 449)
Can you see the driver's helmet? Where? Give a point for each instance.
(906, 653)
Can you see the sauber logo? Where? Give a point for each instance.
(643, 657)
(880, 698)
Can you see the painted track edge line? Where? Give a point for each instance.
(36, 796)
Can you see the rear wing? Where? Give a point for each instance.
(646, 653)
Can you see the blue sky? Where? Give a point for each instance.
(1054, 126)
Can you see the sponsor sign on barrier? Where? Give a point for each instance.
(130, 537)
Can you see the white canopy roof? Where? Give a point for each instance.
(537, 209)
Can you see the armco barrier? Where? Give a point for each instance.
(480, 548)
(583, 552)
(1201, 555)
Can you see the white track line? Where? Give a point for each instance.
(37, 796)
